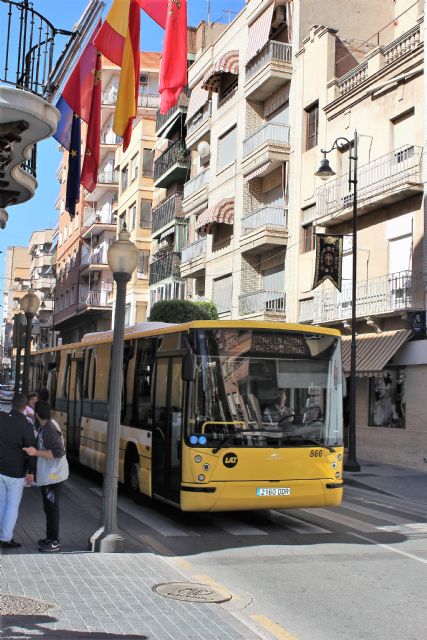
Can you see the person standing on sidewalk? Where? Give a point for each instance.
(52, 470)
(15, 466)
(29, 411)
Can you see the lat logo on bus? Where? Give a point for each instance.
(230, 460)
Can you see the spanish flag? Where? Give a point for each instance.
(118, 40)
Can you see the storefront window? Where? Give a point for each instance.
(387, 399)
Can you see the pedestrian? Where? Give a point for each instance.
(16, 468)
(52, 470)
(29, 411)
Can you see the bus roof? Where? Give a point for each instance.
(159, 328)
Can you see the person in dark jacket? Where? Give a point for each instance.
(16, 467)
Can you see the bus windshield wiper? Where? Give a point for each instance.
(318, 443)
(226, 441)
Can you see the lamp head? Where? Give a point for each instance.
(30, 303)
(324, 171)
(122, 255)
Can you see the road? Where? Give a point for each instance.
(357, 571)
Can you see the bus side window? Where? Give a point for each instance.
(66, 377)
(141, 406)
(86, 408)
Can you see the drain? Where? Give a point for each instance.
(11, 605)
(192, 592)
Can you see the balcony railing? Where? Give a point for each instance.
(109, 137)
(109, 97)
(198, 119)
(196, 183)
(94, 256)
(262, 301)
(393, 292)
(93, 298)
(162, 118)
(27, 48)
(108, 177)
(354, 77)
(194, 250)
(149, 100)
(270, 132)
(402, 45)
(175, 154)
(373, 179)
(92, 216)
(273, 51)
(165, 267)
(165, 212)
(265, 217)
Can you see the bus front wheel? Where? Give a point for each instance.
(132, 475)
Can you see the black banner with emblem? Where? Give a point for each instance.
(328, 260)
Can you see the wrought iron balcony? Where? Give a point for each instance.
(165, 121)
(165, 267)
(165, 212)
(388, 178)
(172, 166)
(376, 296)
(264, 301)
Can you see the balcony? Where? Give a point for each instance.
(199, 126)
(266, 149)
(166, 213)
(108, 177)
(108, 137)
(93, 298)
(383, 296)
(172, 166)
(96, 221)
(196, 191)
(263, 230)
(109, 98)
(264, 304)
(168, 123)
(393, 177)
(149, 101)
(94, 259)
(193, 258)
(268, 71)
(165, 267)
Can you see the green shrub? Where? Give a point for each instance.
(210, 309)
(182, 311)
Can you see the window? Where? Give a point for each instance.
(312, 125)
(127, 314)
(125, 176)
(227, 148)
(387, 399)
(142, 413)
(122, 220)
(145, 214)
(135, 167)
(227, 87)
(147, 163)
(309, 239)
(222, 292)
(132, 216)
(142, 267)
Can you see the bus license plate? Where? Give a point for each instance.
(273, 491)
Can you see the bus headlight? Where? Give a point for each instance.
(200, 477)
(198, 458)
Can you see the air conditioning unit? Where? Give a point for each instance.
(279, 16)
(143, 79)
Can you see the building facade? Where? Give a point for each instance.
(42, 281)
(16, 285)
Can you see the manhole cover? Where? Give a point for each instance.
(192, 592)
(11, 605)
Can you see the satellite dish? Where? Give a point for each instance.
(203, 149)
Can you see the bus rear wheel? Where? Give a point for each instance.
(132, 476)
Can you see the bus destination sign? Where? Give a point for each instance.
(287, 344)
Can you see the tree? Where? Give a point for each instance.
(177, 311)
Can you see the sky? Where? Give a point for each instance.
(40, 212)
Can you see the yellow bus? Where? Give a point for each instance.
(215, 415)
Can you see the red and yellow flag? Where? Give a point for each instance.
(118, 40)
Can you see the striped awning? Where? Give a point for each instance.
(227, 63)
(373, 350)
(258, 171)
(222, 213)
(259, 32)
(198, 98)
(196, 210)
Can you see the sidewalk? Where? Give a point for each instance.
(102, 596)
(407, 484)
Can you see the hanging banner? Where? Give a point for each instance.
(328, 260)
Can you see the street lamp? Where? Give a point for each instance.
(122, 259)
(30, 305)
(324, 172)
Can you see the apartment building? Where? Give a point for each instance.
(380, 95)
(135, 172)
(42, 280)
(16, 285)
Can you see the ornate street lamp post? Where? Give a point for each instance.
(122, 260)
(324, 172)
(30, 305)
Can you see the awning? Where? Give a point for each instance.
(259, 32)
(198, 99)
(257, 172)
(373, 350)
(227, 63)
(222, 213)
(196, 210)
(168, 232)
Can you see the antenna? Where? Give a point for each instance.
(209, 12)
(231, 13)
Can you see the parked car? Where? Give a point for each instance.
(6, 392)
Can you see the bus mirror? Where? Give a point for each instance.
(189, 367)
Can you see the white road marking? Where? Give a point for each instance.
(395, 520)
(338, 518)
(235, 527)
(295, 524)
(389, 548)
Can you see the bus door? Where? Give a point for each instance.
(74, 411)
(167, 429)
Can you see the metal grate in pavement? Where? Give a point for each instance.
(192, 592)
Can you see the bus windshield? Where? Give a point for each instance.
(258, 388)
